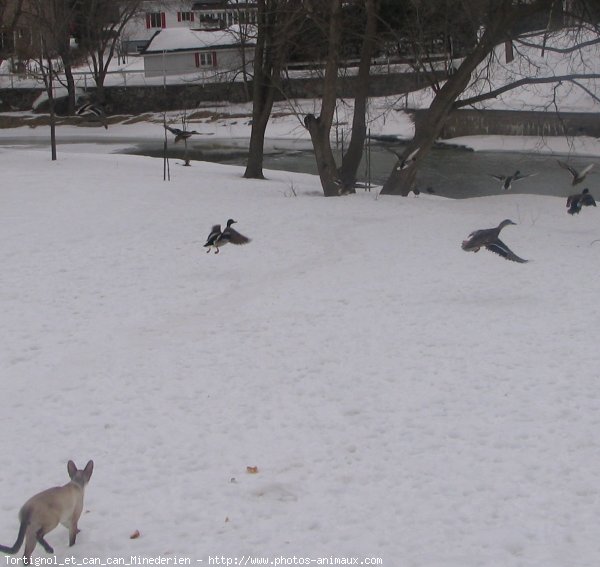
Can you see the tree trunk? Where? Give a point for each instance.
(70, 87)
(351, 159)
(262, 102)
(99, 74)
(49, 89)
(276, 27)
(319, 135)
(320, 127)
(260, 119)
(52, 132)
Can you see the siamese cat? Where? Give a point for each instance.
(44, 511)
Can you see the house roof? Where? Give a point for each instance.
(185, 39)
(207, 4)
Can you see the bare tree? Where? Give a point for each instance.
(245, 32)
(50, 23)
(352, 157)
(361, 17)
(319, 127)
(100, 23)
(277, 22)
(64, 16)
(495, 23)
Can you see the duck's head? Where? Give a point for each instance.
(585, 191)
(506, 222)
(230, 222)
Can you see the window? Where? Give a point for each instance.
(155, 20)
(5, 42)
(185, 16)
(206, 59)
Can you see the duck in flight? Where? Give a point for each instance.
(579, 200)
(404, 162)
(218, 238)
(578, 176)
(488, 238)
(180, 134)
(92, 111)
(508, 180)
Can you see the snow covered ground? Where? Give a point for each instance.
(400, 398)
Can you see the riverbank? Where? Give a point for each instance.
(225, 121)
(223, 133)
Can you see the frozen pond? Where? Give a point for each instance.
(451, 172)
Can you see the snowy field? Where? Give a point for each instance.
(400, 398)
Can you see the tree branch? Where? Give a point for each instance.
(522, 82)
(571, 49)
(586, 90)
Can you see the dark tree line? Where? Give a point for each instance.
(51, 25)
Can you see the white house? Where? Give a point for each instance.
(155, 15)
(182, 50)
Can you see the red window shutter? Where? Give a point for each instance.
(214, 58)
(178, 16)
(192, 17)
(148, 21)
(163, 20)
(197, 57)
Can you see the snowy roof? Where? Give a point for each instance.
(185, 39)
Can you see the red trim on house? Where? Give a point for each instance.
(197, 58)
(163, 20)
(192, 17)
(147, 21)
(178, 16)
(214, 58)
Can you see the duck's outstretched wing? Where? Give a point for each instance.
(498, 247)
(588, 201)
(235, 237)
(175, 131)
(498, 177)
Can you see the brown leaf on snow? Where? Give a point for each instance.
(252, 470)
(135, 534)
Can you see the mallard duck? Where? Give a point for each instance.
(407, 161)
(215, 232)
(583, 199)
(488, 238)
(92, 111)
(508, 180)
(218, 238)
(180, 134)
(578, 176)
